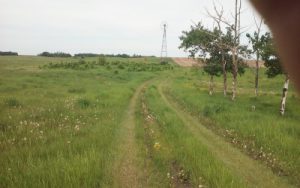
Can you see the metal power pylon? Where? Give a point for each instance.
(164, 51)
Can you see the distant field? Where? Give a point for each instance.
(132, 122)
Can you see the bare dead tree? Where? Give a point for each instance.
(218, 20)
(284, 94)
(258, 30)
(234, 47)
(234, 50)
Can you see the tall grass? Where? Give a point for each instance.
(179, 147)
(58, 126)
(251, 123)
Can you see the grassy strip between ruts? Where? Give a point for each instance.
(184, 149)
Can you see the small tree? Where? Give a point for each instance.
(212, 68)
(274, 68)
(257, 43)
(201, 41)
(207, 44)
(197, 41)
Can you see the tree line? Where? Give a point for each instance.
(222, 52)
(82, 55)
(8, 53)
(107, 55)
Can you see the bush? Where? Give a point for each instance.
(210, 110)
(83, 103)
(108, 67)
(120, 66)
(164, 62)
(76, 90)
(12, 102)
(102, 60)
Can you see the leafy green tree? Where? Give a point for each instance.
(211, 46)
(197, 41)
(274, 68)
(200, 41)
(213, 68)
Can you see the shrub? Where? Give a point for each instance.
(164, 62)
(102, 60)
(12, 102)
(120, 66)
(83, 103)
(210, 110)
(76, 90)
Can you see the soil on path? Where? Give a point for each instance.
(126, 171)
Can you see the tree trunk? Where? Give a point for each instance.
(256, 74)
(235, 72)
(224, 76)
(284, 95)
(235, 56)
(211, 85)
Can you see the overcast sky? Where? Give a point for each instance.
(103, 26)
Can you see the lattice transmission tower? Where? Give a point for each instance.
(164, 50)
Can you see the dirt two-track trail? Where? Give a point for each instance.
(126, 170)
(251, 171)
(128, 174)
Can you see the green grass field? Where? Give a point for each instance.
(119, 122)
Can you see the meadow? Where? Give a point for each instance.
(133, 122)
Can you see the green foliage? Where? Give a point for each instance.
(212, 46)
(8, 53)
(257, 42)
(12, 102)
(164, 62)
(120, 66)
(102, 60)
(55, 54)
(133, 66)
(209, 110)
(76, 90)
(197, 41)
(83, 103)
(270, 56)
(107, 55)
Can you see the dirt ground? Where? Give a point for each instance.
(189, 62)
(186, 62)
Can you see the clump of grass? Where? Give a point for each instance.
(3, 127)
(83, 103)
(102, 61)
(108, 67)
(209, 110)
(76, 90)
(121, 66)
(12, 102)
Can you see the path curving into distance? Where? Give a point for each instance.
(126, 171)
(251, 171)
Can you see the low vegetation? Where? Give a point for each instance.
(61, 123)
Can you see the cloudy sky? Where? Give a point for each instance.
(104, 26)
